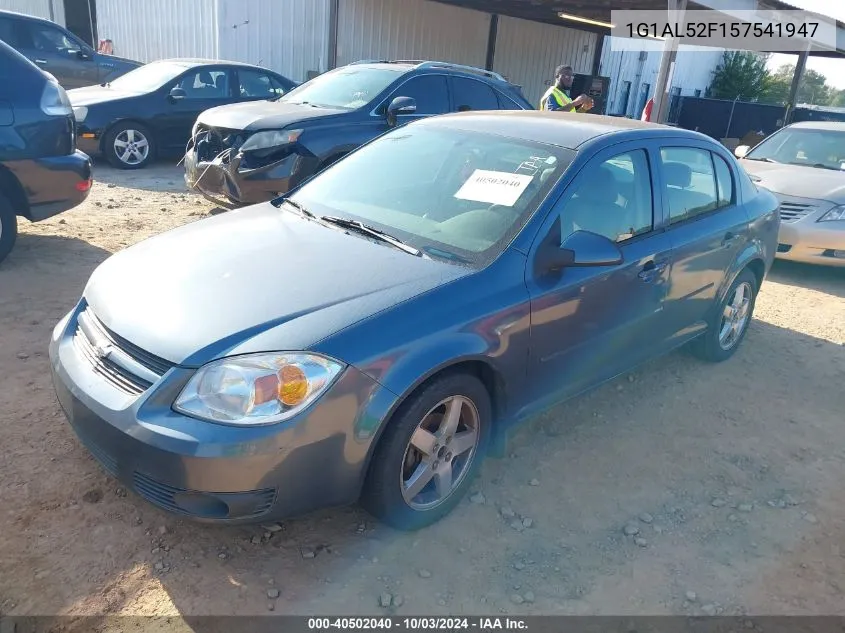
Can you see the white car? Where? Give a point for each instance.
(803, 164)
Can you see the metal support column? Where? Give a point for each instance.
(597, 55)
(667, 68)
(796, 83)
(332, 52)
(491, 40)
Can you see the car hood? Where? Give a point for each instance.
(199, 292)
(798, 181)
(91, 95)
(262, 115)
(114, 59)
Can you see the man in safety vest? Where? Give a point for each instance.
(556, 97)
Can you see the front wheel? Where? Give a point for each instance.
(129, 146)
(730, 323)
(430, 453)
(8, 227)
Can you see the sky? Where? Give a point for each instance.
(833, 69)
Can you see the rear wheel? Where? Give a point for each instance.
(8, 227)
(430, 453)
(731, 321)
(129, 145)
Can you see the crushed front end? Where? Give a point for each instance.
(226, 169)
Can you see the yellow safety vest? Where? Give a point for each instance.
(560, 96)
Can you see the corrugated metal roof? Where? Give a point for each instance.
(527, 53)
(411, 29)
(290, 37)
(147, 30)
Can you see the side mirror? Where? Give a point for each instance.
(83, 55)
(400, 105)
(582, 249)
(741, 151)
(178, 93)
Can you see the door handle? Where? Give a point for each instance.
(40, 61)
(729, 239)
(653, 269)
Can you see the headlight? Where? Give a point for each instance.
(79, 113)
(257, 389)
(270, 138)
(836, 213)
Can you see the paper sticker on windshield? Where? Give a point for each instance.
(494, 187)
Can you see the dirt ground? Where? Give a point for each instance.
(682, 488)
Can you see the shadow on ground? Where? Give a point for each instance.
(825, 279)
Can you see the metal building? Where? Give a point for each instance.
(302, 38)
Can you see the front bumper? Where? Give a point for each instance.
(812, 242)
(228, 178)
(212, 472)
(54, 184)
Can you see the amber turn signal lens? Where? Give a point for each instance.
(293, 385)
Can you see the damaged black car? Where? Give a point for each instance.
(253, 152)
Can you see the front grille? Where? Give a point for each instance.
(164, 496)
(792, 211)
(105, 366)
(212, 141)
(784, 248)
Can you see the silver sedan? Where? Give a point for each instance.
(804, 166)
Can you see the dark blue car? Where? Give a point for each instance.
(373, 334)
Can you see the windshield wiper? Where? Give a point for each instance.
(360, 227)
(763, 160)
(302, 210)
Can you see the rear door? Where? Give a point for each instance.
(707, 227)
(255, 85)
(59, 53)
(471, 94)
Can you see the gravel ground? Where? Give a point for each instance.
(682, 488)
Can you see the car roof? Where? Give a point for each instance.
(565, 129)
(193, 62)
(836, 126)
(404, 66)
(25, 16)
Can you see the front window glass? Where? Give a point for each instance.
(348, 88)
(823, 149)
(449, 192)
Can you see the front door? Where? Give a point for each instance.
(60, 54)
(590, 324)
(200, 89)
(708, 229)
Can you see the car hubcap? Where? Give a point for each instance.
(735, 316)
(131, 147)
(440, 453)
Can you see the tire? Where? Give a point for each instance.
(127, 133)
(8, 227)
(396, 461)
(711, 346)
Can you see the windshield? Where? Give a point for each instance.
(824, 149)
(148, 77)
(451, 193)
(348, 88)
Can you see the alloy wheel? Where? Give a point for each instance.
(440, 453)
(735, 316)
(131, 147)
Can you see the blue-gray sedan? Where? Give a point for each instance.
(373, 334)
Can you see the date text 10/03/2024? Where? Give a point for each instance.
(693, 30)
(418, 624)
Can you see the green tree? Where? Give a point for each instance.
(813, 88)
(740, 74)
(837, 98)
